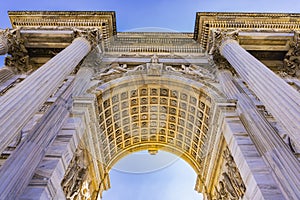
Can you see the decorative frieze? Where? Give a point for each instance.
(145, 42)
(246, 22)
(155, 68)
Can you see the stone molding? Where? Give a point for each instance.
(246, 22)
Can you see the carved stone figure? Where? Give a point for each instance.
(114, 69)
(291, 62)
(154, 59)
(231, 186)
(75, 175)
(220, 194)
(18, 58)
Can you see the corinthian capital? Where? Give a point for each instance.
(219, 38)
(3, 41)
(92, 35)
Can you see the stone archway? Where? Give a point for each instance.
(167, 112)
(145, 114)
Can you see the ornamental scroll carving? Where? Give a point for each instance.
(75, 182)
(291, 62)
(217, 40)
(231, 185)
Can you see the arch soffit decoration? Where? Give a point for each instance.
(168, 112)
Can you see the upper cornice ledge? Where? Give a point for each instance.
(245, 22)
(104, 20)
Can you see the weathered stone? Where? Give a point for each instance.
(65, 123)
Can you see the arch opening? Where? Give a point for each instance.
(174, 180)
(156, 113)
(146, 114)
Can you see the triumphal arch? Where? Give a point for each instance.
(76, 96)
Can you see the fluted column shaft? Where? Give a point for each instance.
(20, 103)
(279, 98)
(3, 45)
(275, 152)
(82, 80)
(5, 74)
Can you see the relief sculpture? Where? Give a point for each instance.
(231, 185)
(291, 62)
(18, 58)
(75, 176)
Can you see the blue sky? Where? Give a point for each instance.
(178, 15)
(165, 176)
(175, 181)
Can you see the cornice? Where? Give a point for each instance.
(104, 20)
(248, 22)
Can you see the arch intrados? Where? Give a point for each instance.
(160, 147)
(114, 144)
(203, 86)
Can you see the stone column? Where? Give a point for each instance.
(83, 79)
(279, 98)
(278, 157)
(5, 74)
(20, 103)
(3, 42)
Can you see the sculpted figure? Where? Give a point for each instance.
(291, 61)
(193, 69)
(115, 68)
(154, 59)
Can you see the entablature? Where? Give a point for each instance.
(155, 42)
(103, 20)
(257, 31)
